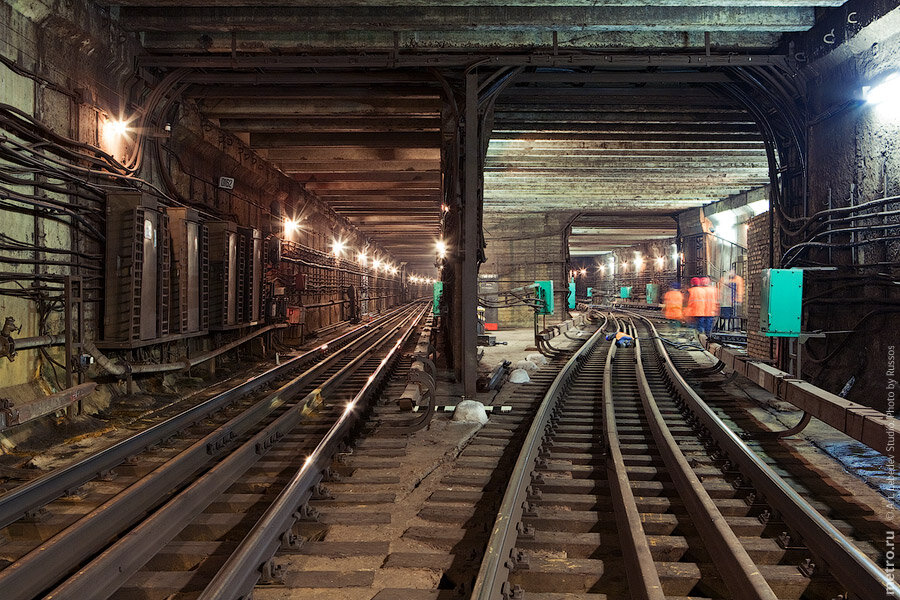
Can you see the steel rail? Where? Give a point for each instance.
(243, 568)
(739, 573)
(31, 496)
(104, 574)
(640, 568)
(64, 551)
(492, 580)
(853, 569)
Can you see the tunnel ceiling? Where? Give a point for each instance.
(367, 140)
(616, 143)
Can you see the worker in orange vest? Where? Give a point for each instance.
(694, 300)
(623, 340)
(707, 307)
(673, 303)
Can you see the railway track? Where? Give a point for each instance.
(611, 480)
(167, 475)
(629, 485)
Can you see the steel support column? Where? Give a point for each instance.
(469, 234)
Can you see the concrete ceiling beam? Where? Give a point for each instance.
(447, 18)
(505, 3)
(357, 166)
(331, 140)
(339, 187)
(321, 150)
(328, 91)
(365, 178)
(275, 123)
(512, 145)
(602, 136)
(261, 43)
(323, 107)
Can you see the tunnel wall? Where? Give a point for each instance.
(608, 282)
(69, 65)
(521, 251)
(852, 146)
(64, 63)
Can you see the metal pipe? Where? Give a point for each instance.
(123, 369)
(40, 341)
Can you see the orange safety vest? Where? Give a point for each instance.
(708, 303)
(695, 301)
(738, 282)
(673, 302)
(622, 334)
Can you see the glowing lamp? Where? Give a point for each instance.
(290, 226)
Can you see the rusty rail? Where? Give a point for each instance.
(492, 581)
(852, 568)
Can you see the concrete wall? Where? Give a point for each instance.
(521, 250)
(851, 147)
(77, 57)
(69, 65)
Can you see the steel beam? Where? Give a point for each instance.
(469, 254)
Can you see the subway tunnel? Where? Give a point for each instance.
(417, 300)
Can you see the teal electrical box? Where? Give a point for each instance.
(571, 294)
(544, 292)
(652, 293)
(625, 291)
(781, 302)
(590, 293)
(436, 301)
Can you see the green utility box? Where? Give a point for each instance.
(436, 301)
(590, 294)
(625, 291)
(544, 292)
(781, 302)
(571, 294)
(652, 293)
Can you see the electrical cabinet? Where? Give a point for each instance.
(136, 303)
(189, 305)
(625, 291)
(652, 293)
(438, 293)
(781, 302)
(544, 292)
(224, 275)
(571, 303)
(251, 273)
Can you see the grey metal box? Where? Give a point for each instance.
(137, 258)
(223, 274)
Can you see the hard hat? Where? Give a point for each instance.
(704, 280)
(675, 285)
(695, 281)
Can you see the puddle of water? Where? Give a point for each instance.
(877, 470)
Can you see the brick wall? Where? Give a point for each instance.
(758, 345)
